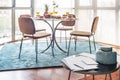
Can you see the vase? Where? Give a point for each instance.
(46, 15)
(105, 55)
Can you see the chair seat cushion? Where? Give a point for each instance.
(40, 30)
(38, 35)
(64, 29)
(80, 33)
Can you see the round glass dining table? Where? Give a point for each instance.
(53, 29)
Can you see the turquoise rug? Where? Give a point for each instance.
(10, 51)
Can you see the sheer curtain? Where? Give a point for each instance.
(108, 30)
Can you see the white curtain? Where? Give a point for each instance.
(108, 30)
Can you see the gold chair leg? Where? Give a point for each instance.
(105, 76)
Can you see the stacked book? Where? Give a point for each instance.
(83, 61)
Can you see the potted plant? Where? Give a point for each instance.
(46, 15)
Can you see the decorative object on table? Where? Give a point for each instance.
(54, 6)
(105, 55)
(46, 14)
(64, 16)
(67, 13)
(37, 14)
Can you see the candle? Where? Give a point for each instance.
(67, 13)
(37, 13)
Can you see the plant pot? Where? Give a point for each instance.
(46, 15)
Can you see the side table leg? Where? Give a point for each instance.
(119, 74)
(110, 76)
(69, 75)
(93, 76)
(85, 76)
(105, 76)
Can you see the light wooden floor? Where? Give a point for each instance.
(42, 74)
(39, 74)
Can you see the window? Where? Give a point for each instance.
(84, 20)
(109, 23)
(85, 2)
(9, 12)
(5, 25)
(23, 3)
(107, 26)
(5, 21)
(106, 3)
(5, 3)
